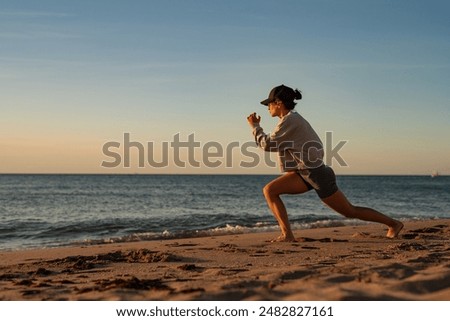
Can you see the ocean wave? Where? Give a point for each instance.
(228, 229)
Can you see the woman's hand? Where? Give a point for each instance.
(253, 119)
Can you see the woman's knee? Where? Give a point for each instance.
(288, 183)
(269, 191)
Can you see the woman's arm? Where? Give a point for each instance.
(274, 142)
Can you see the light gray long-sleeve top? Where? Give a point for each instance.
(298, 145)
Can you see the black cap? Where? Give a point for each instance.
(282, 92)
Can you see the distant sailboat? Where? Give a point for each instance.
(434, 174)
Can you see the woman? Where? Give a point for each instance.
(300, 153)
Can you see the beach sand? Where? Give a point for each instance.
(336, 263)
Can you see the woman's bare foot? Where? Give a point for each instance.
(393, 231)
(283, 238)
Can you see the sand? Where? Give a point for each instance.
(337, 263)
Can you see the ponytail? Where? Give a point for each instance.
(295, 95)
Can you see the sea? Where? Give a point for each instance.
(43, 211)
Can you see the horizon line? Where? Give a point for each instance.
(206, 174)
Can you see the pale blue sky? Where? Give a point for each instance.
(76, 74)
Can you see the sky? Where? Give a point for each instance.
(84, 83)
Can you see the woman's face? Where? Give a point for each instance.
(274, 108)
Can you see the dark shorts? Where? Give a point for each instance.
(321, 179)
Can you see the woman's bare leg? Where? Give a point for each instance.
(340, 204)
(289, 183)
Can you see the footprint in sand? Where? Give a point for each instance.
(228, 272)
(131, 283)
(434, 232)
(394, 271)
(296, 275)
(425, 284)
(245, 285)
(191, 267)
